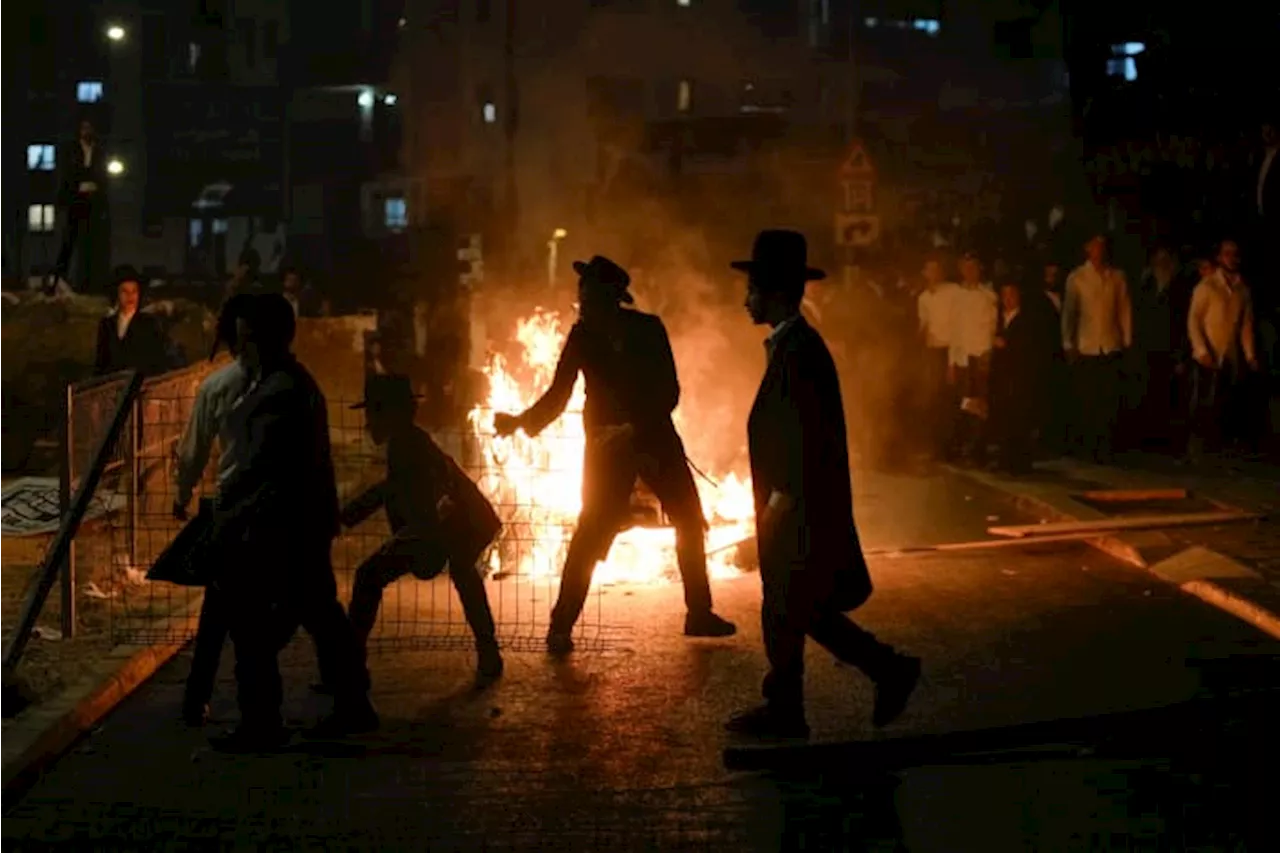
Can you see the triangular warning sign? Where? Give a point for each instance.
(856, 163)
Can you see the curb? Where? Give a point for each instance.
(66, 718)
(1128, 548)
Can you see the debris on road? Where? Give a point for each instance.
(1134, 523)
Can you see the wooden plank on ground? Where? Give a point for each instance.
(1134, 523)
(1134, 495)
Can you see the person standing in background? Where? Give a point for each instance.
(83, 196)
(976, 315)
(128, 338)
(935, 311)
(1097, 328)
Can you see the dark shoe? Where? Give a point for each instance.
(559, 642)
(321, 689)
(765, 721)
(345, 723)
(894, 689)
(241, 740)
(489, 666)
(195, 716)
(708, 625)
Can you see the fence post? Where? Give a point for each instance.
(68, 567)
(135, 417)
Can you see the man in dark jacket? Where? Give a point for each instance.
(632, 390)
(811, 563)
(83, 195)
(278, 514)
(437, 516)
(1020, 375)
(129, 339)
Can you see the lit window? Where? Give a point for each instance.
(395, 214)
(1123, 67)
(89, 91)
(684, 3)
(927, 25)
(40, 217)
(195, 231)
(489, 112)
(872, 23)
(684, 96)
(1129, 48)
(40, 158)
(219, 226)
(193, 55)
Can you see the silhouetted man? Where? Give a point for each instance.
(632, 390)
(437, 516)
(83, 195)
(278, 510)
(811, 562)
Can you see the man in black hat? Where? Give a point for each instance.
(128, 338)
(632, 390)
(437, 516)
(278, 515)
(811, 562)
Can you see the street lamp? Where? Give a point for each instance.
(389, 99)
(366, 99)
(553, 254)
(115, 32)
(115, 167)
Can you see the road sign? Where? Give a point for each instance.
(859, 196)
(857, 164)
(857, 229)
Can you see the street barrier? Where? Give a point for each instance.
(114, 552)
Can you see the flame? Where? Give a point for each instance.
(537, 482)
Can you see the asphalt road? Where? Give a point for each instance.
(622, 749)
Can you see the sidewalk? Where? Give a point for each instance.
(1234, 566)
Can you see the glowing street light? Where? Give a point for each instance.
(553, 254)
(366, 99)
(115, 167)
(389, 99)
(560, 234)
(115, 32)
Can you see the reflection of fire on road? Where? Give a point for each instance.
(536, 483)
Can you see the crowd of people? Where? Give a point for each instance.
(1051, 358)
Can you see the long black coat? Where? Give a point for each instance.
(143, 347)
(1021, 372)
(798, 445)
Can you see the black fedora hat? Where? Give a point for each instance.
(605, 273)
(781, 253)
(387, 392)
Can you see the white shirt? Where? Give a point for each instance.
(217, 396)
(1267, 162)
(122, 323)
(934, 308)
(1220, 323)
(1097, 318)
(975, 314)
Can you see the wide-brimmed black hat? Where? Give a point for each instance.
(604, 273)
(125, 272)
(782, 253)
(387, 392)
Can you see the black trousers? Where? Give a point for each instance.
(211, 636)
(608, 478)
(424, 558)
(84, 238)
(791, 612)
(1097, 392)
(264, 614)
(938, 411)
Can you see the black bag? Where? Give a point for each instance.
(192, 557)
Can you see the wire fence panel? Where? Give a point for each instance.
(521, 568)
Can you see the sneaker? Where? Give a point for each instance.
(241, 740)
(345, 723)
(489, 666)
(765, 721)
(195, 716)
(708, 625)
(559, 642)
(894, 689)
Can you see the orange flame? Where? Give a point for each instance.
(539, 479)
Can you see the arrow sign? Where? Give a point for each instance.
(857, 229)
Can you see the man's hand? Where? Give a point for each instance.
(1204, 359)
(179, 511)
(505, 424)
(444, 507)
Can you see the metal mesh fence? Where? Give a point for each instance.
(522, 568)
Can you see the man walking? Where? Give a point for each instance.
(811, 562)
(278, 515)
(437, 516)
(632, 390)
